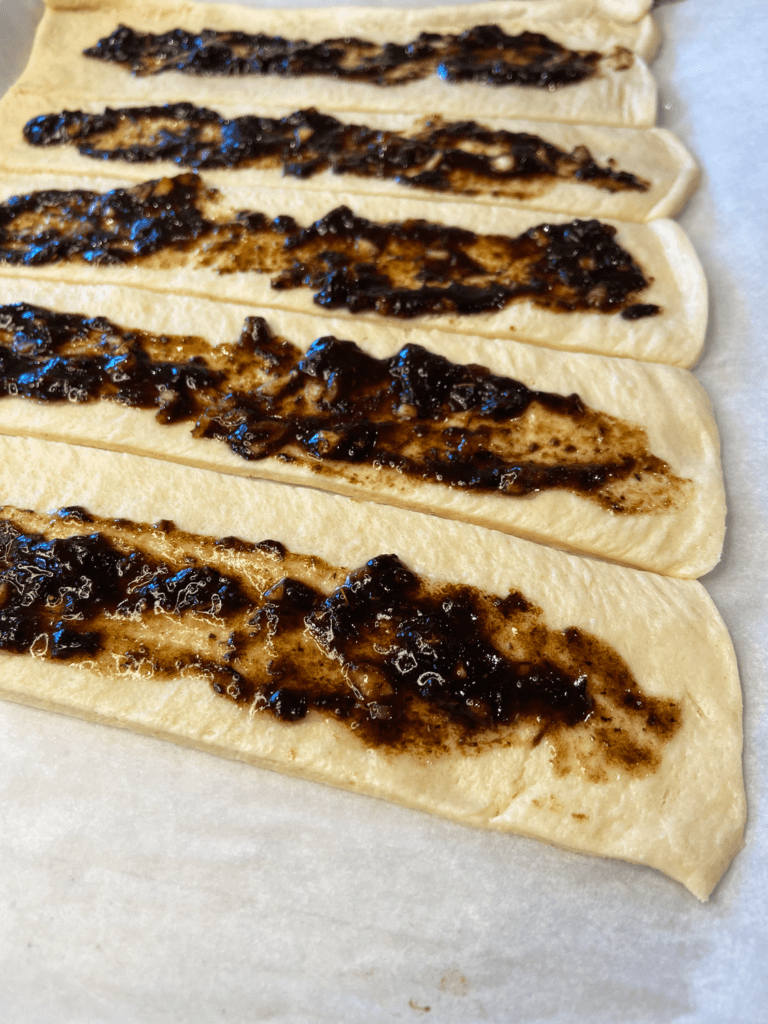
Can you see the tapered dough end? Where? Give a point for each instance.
(692, 284)
(685, 184)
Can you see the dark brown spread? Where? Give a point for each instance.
(462, 158)
(400, 269)
(407, 664)
(341, 411)
(483, 54)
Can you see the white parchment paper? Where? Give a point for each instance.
(145, 884)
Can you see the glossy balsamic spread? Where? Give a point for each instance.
(462, 157)
(405, 663)
(484, 54)
(341, 411)
(400, 269)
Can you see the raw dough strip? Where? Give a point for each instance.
(661, 249)
(653, 155)
(685, 818)
(425, 19)
(619, 97)
(667, 403)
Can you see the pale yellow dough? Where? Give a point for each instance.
(668, 403)
(685, 819)
(654, 155)
(675, 336)
(613, 97)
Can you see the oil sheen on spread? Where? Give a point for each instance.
(400, 269)
(406, 663)
(341, 411)
(484, 54)
(461, 158)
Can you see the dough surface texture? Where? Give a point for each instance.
(668, 403)
(618, 97)
(685, 818)
(676, 280)
(653, 155)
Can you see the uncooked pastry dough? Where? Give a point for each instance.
(668, 403)
(654, 155)
(661, 248)
(686, 818)
(57, 67)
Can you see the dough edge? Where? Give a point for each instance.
(669, 403)
(653, 154)
(614, 97)
(686, 819)
(678, 285)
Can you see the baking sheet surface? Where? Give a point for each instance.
(141, 882)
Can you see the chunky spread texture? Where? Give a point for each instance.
(405, 663)
(402, 270)
(484, 54)
(335, 406)
(387, 674)
(461, 158)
